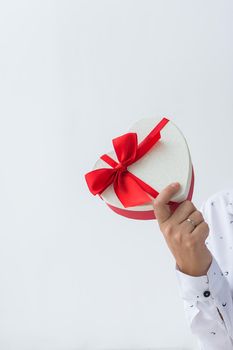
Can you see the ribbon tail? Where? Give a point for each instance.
(129, 191)
(147, 188)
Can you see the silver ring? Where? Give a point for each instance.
(192, 222)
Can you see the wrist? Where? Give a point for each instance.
(191, 269)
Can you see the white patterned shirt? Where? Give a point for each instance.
(207, 297)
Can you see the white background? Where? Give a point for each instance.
(73, 75)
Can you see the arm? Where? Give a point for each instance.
(209, 315)
(205, 291)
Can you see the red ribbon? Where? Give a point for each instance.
(130, 190)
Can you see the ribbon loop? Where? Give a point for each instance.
(125, 147)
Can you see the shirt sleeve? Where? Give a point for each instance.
(208, 306)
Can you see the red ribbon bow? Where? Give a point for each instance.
(130, 190)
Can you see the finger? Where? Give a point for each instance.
(200, 233)
(183, 211)
(161, 208)
(186, 226)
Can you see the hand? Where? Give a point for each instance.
(186, 243)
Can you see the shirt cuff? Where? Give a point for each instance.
(194, 288)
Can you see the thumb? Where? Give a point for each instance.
(161, 208)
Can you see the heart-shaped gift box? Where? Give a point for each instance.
(150, 156)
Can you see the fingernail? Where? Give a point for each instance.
(175, 184)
